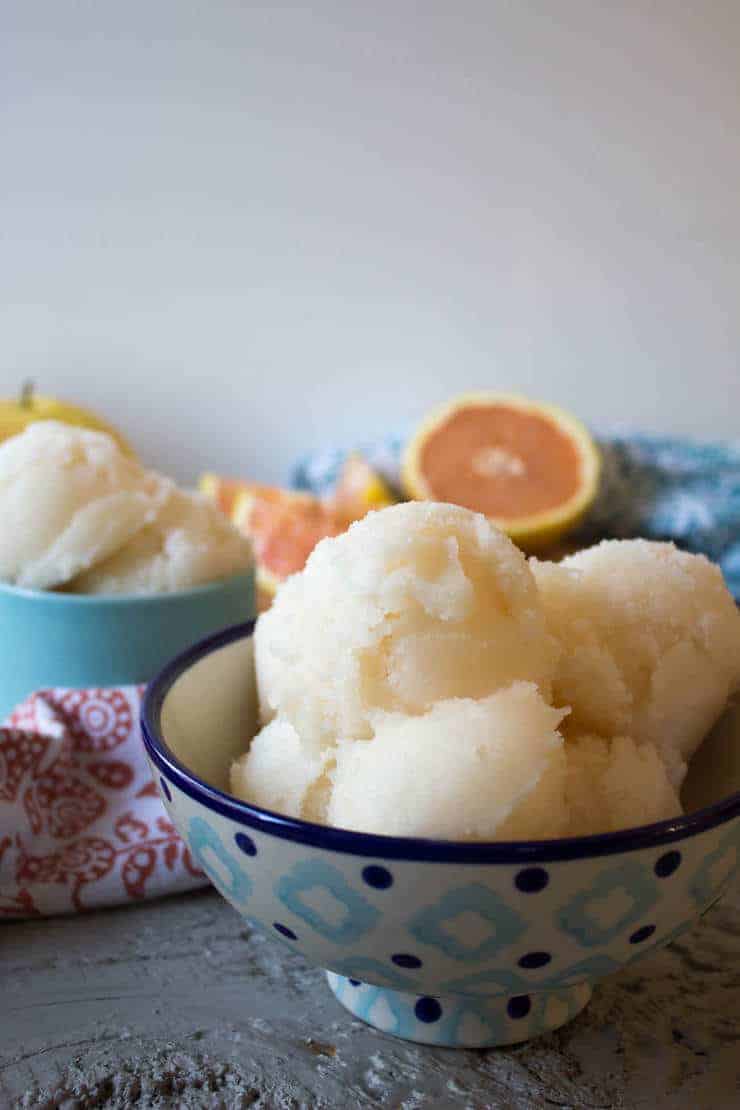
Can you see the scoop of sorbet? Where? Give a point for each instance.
(464, 770)
(413, 605)
(650, 640)
(69, 497)
(188, 543)
(411, 686)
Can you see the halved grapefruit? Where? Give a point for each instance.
(531, 468)
(284, 528)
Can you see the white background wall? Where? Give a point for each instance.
(248, 229)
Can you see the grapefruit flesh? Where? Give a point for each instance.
(531, 468)
(284, 528)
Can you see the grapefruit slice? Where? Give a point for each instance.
(359, 489)
(224, 491)
(531, 468)
(284, 528)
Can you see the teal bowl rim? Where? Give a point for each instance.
(351, 842)
(59, 597)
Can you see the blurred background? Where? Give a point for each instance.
(244, 231)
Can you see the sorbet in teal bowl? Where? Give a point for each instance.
(60, 639)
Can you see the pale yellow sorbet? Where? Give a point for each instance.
(464, 770)
(404, 678)
(650, 640)
(615, 784)
(420, 678)
(69, 497)
(189, 542)
(414, 604)
(79, 514)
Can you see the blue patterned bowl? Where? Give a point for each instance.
(458, 944)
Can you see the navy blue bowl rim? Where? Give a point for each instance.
(393, 847)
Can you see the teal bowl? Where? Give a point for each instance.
(57, 639)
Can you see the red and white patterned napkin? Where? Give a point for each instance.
(81, 821)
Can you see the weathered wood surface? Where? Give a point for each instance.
(179, 1003)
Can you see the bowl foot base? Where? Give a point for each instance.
(457, 1021)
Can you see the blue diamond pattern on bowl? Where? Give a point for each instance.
(489, 984)
(618, 899)
(585, 971)
(381, 1008)
(716, 870)
(320, 895)
(368, 970)
(469, 923)
(226, 874)
(477, 1024)
(452, 1020)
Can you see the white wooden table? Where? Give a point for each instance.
(179, 1003)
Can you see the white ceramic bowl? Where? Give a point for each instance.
(459, 944)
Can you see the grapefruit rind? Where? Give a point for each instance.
(537, 531)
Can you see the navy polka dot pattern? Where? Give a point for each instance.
(284, 930)
(532, 880)
(428, 1010)
(519, 1006)
(246, 844)
(405, 959)
(642, 934)
(667, 864)
(535, 959)
(165, 789)
(378, 877)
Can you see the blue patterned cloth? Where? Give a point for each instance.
(657, 487)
